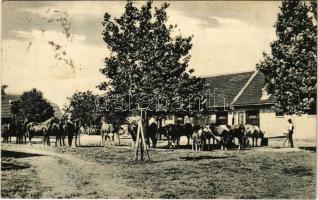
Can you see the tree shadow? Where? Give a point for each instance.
(17, 154)
(205, 157)
(312, 149)
(7, 166)
(88, 146)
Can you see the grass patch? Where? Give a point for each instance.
(217, 174)
(19, 180)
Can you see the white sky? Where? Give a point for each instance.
(228, 37)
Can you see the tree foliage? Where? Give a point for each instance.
(145, 56)
(32, 106)
(291, 69)
(82, 106)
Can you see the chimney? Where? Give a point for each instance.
(265, 94)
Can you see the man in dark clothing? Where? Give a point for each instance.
(290, 133)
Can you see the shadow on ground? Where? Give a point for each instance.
(205, 157)
(88, 146)
(312, 149)
(16, 154)
(7, 166)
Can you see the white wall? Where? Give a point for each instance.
(272, 125)
(305, 125)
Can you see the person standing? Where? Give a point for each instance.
(290, 132)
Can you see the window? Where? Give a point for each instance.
(221, 118)
(252, 117)
(240, 118)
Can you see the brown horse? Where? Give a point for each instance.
(71, 129)
(40, 128)
(238, 131)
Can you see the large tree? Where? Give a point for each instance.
(32, 106)
(82, 106)
(291, 68)
(147, 56)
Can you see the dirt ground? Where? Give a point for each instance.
(91, 171)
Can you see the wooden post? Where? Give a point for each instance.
(141, 141)
(137, 142)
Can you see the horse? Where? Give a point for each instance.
(132, 130)
(71, 129)
(238, 131)
(57, 131)
(5, 132)
(175, 131)
(60, 137)
(13, 129)
(221, 134)
(107, 133)
(19, 132)
(41, 128)
(151, 134)
(253, 132)
(197, 138)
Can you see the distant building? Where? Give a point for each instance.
(6, 104)
(242, 98)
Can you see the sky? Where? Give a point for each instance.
(57, 47)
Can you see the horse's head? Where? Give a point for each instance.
(206, 129)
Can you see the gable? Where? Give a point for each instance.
(228, 87)
(252, 94)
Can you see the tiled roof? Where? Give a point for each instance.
(252, 94)
(6, 106)
(228, 86)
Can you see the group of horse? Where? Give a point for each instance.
(60, 128)
(223, 136)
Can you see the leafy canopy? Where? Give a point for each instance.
(82, 106)
(291, 69)
(32, 106)
(145, 56)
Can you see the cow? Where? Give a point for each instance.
(253, 132)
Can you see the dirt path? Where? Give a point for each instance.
(67, 176)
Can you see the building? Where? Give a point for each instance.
(6, 104)
(242, 98)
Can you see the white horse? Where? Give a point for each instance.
(107, 133)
